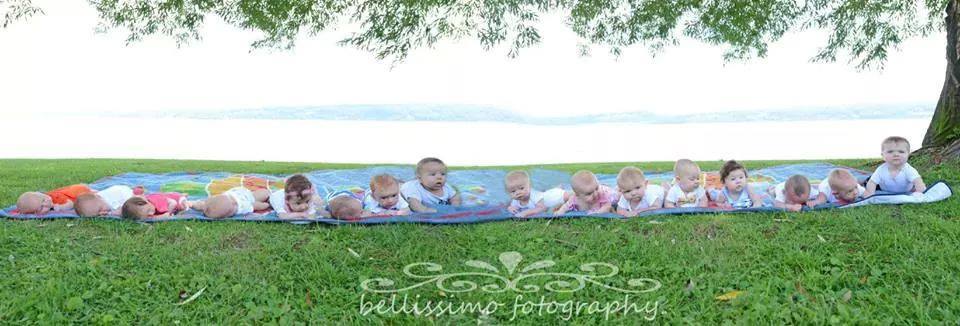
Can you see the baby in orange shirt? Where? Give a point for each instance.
(34, 202)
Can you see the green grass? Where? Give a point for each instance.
(881, 264)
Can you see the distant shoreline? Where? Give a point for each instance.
(461, 113)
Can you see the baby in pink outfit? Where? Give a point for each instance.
(154, 205)
(590, 196)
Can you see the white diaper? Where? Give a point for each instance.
(553, 198)
(244, 198)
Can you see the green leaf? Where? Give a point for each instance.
(73, 303)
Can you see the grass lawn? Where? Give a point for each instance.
(886, 264)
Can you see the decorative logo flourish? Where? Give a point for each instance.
(509, 278)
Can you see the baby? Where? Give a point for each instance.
(431, 188)
(344, 205)
(895, 174)
(236, 201)
(297, 199)
(839, 188)
(590, 196)
(154, 205)
(56, 200)
(636, 194)
(736, 191)
(384, 198)
(794, 193)
(524, 201)
(686, 190)
(104, 202)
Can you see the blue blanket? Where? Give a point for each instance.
(483, 194)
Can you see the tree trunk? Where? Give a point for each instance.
(944, 128)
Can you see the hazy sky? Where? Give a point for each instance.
(57, 63)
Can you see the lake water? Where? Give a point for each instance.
(457, 143)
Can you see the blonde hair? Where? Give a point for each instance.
(797, 185)
(630, 173)
(428, 160)
(895, 140)
(340, 207)
(517, 174)
(684, 166)
(382, 180)
(839, 177)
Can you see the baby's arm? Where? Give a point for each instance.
(757, 199)
(918, 185)
(173, 205)
(455, 200)
(605, 208)
(625, 213)
(704, 200)
(417, 206)
(789, 207)
(286, 215)
(821, 198)
(721, 201)
(539, 209)
(64, 207)
(403, 211)
(565, 207)
(669, 204)
(656, 205)
(871, 189)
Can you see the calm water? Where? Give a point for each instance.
(458, 143)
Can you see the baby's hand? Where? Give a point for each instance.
(794, 207)
(811, 204)
(513, 209)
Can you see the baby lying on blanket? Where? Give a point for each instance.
(154, 205)
(104, 202)
(297, 199)
(384, 197)
(344, 205)
(524, 201)
(430, 189)
(686, 191)
(794, 193)
(841, 187)
(636, 194)
(736, 192)
(56, 200)
(590, 196)
(236, 201)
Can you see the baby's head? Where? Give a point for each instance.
(432, 173)
(345, 207)
(298, 192)
(843, 184)
(385, 189)
(518, 185)
(632, 183)
(219, 206)
(34, 203)
(90, 205)
(585, 186)
(734, 176)
(796, 190)
(136, 208)
(895, 150)
(687, 175)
